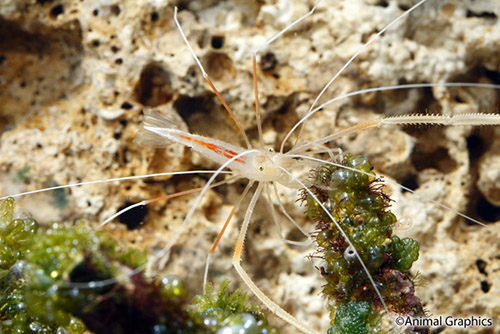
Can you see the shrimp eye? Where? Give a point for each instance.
(270, 149)
(261, 168)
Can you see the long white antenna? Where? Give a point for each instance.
(374, 38)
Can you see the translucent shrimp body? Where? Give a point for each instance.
(261, 165)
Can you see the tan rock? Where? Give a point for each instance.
(75, 76)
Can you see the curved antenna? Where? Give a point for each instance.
(165, 197)
(374, 38)
(287, 215)
(210, 83)
(254, 66)
(238, 249)
(307, 242)
(288, 27)
(379, 89)
(135, 177)
(423, 198)
(257, 101)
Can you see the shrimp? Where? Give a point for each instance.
(291, 96)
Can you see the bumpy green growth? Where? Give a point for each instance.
(38, 266)
(404, 253)
(357, 204)
(355, 317)
(229, 313)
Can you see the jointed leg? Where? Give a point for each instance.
(306, 242)
(331, 151)
(219, 236)
(248, 281)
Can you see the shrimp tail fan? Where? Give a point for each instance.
(153, 118)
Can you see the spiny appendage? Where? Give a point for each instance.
(39, 265)
(356, 201)
(476, 119)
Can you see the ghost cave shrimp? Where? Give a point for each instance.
(433, 160)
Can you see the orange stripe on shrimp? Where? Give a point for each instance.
(216, 148)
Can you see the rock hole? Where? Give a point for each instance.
(268, 61)
(154, 87)
(458, 99)
(49, 53)
(487, 211)
(187, 106)
(410, 182)
(115, 10)
(219, 66)
(126, 105)
(295, 235)
(483, 14)
(481, 266)
(154, 16)
(56, 11)
(217, 42)
(438, 159)
(492, 75)
(133, 218)
(485, 286)
(475, 146)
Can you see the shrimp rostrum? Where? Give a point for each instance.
(314, 101)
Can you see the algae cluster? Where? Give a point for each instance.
(40, 269)
(356, 202)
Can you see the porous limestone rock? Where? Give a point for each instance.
(76, 75)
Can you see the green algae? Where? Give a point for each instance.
(355, 317)
(356, 202)
(40, 268)
(224, 312)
